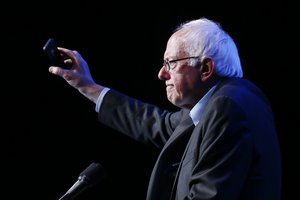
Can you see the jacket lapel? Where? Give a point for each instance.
(165, 168)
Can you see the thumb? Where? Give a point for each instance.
(55, 70)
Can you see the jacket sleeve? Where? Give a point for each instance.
(141, 121)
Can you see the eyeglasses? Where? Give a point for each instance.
(170, 64)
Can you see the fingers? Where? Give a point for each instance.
(69, 53)
(64, 50)
(68, 62)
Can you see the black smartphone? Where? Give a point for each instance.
(54, 56)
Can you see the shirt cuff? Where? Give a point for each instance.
(100, 99)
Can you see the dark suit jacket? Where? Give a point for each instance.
(232, 154)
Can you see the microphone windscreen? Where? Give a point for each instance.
(93, 174)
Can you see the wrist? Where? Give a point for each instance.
(91, 91)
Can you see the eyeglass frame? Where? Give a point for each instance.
(167, 63)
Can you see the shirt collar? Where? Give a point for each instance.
(197, 110)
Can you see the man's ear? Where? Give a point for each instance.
(207, 69)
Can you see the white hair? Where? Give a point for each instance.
(207, 39)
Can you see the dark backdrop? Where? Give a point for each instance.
(50, 131)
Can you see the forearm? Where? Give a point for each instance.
(140, 121)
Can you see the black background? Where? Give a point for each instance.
(50, 131)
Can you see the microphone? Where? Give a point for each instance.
(87, 178)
